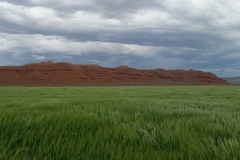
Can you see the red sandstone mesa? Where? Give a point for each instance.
(65, 74)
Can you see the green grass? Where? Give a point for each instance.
(62, 123)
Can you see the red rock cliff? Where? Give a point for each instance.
(58, 74)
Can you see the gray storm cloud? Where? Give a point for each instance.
(169, 34)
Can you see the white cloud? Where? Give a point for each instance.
(187, 33)
(39, 58)
(49, 19)
(40, 44)
(29, 16)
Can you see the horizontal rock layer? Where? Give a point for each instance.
(65, 74)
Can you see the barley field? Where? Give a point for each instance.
(71, 123)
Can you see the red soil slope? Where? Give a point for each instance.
(58, 74)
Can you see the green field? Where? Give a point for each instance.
(60, 123)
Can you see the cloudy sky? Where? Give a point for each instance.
(169, 34)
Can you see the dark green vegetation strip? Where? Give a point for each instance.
(119, 123)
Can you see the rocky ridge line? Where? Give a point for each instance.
(67, 74)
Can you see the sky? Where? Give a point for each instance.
(169, 34)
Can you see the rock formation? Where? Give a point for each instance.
(66, 74)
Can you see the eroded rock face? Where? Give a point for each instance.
(59, 74)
